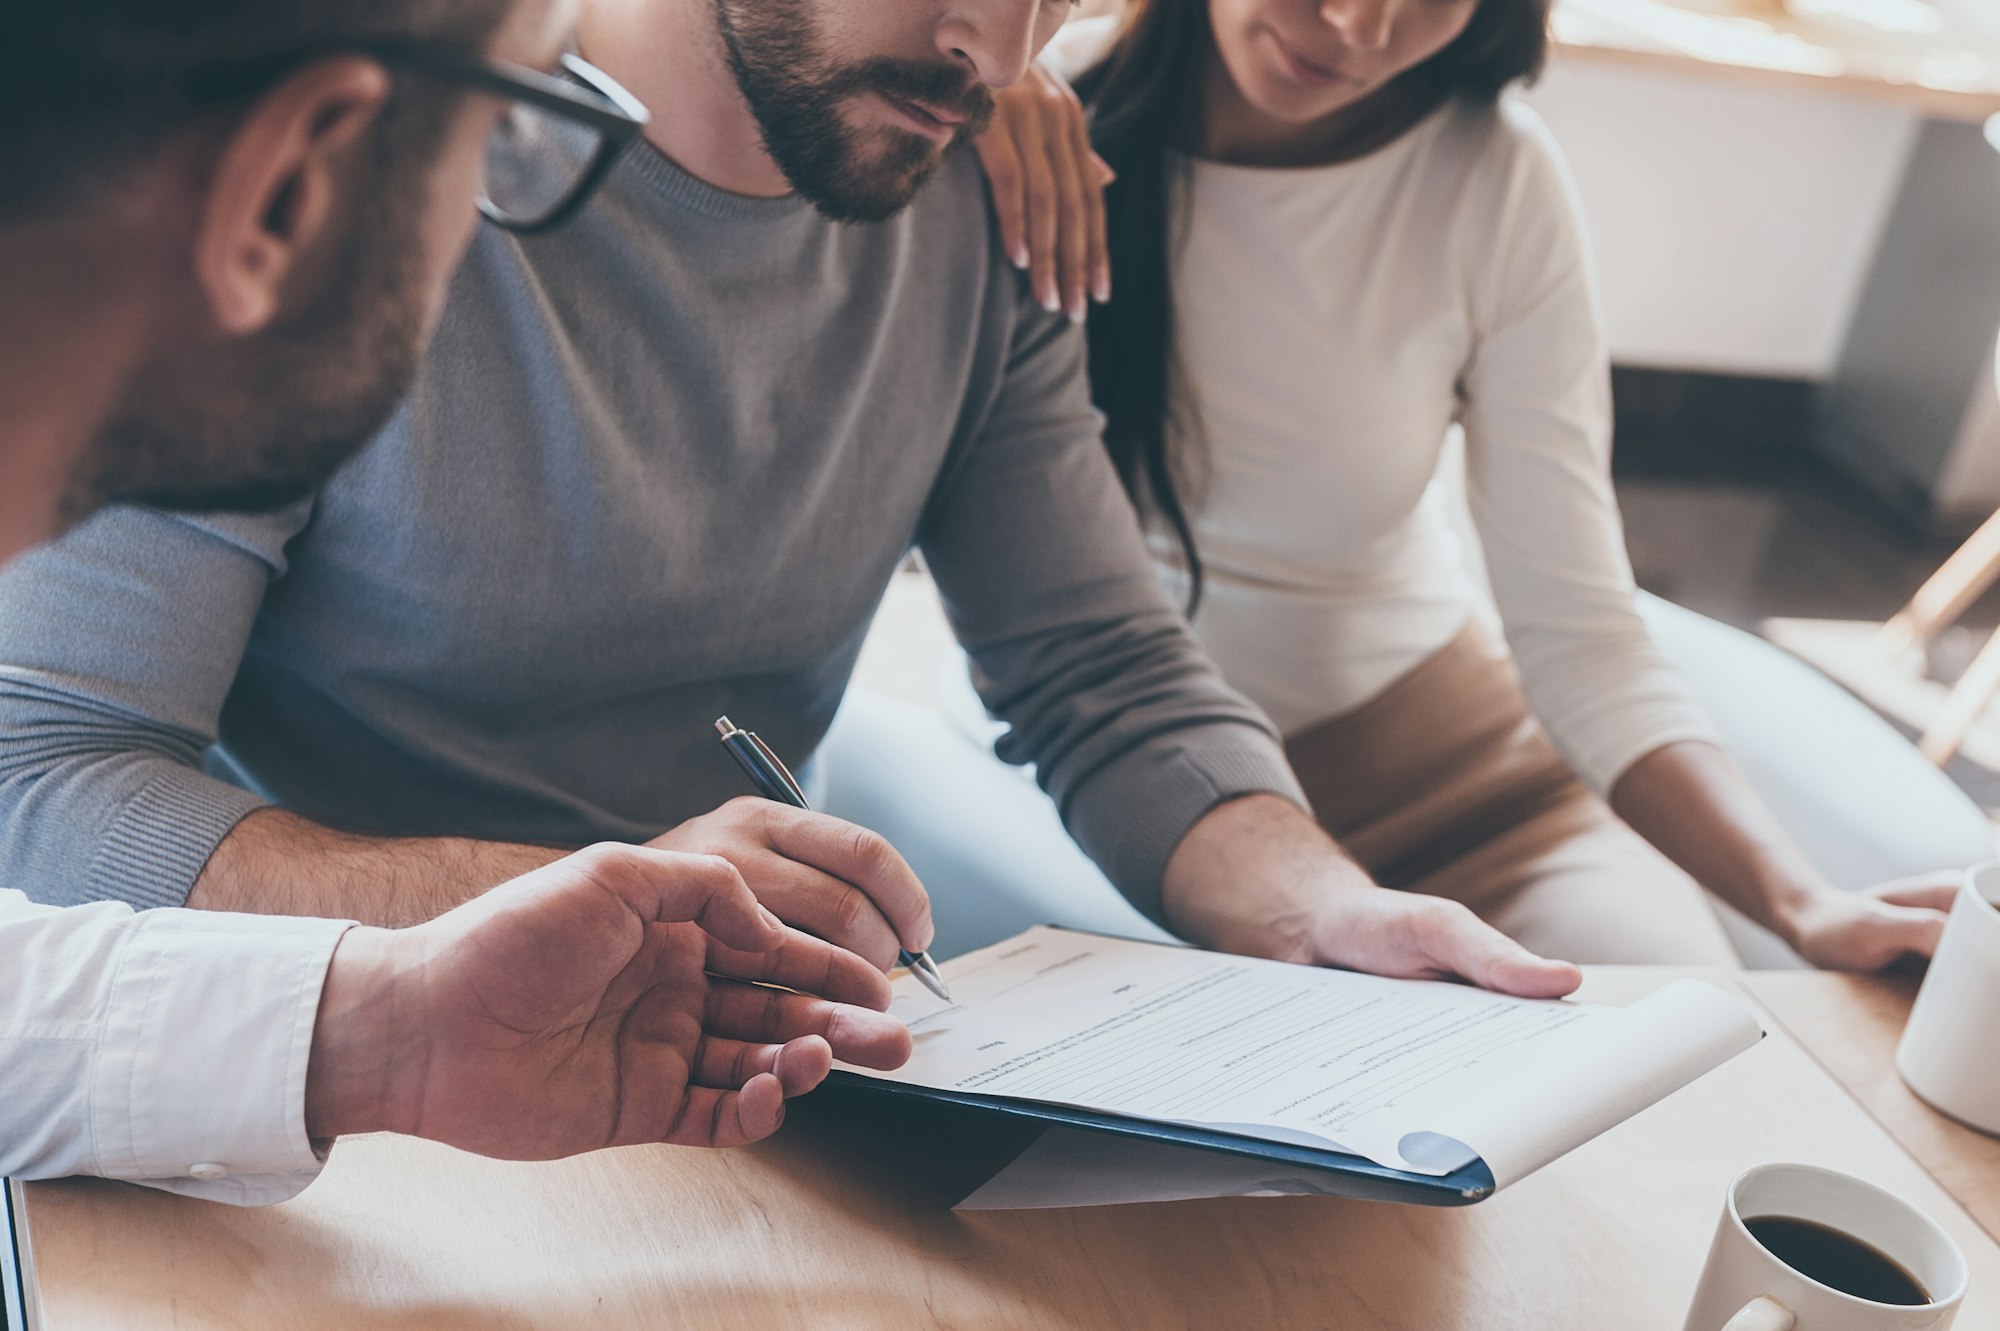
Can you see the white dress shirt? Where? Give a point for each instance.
(167, 1048)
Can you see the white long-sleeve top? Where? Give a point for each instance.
(167, 1048)
(1335, 324)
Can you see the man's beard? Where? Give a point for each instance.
(255, 426)
(797, 96)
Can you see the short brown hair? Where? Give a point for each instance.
(88, 86)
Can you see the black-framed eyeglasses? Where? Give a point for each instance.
(557, 139)
(550, 149)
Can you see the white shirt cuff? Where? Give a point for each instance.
(200, 1077)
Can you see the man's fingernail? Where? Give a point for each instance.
(770, 919)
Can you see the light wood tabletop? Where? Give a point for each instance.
(1851, 1024)
(1900, 50)
(842, 1223)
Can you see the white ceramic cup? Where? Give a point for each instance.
(1745, 1287)
(1948, 1053)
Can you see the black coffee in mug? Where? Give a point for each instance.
(1839, 1261)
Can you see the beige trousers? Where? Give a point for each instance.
(1446, 784)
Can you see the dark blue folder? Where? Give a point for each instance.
(1337, 1172)
(17, 1265)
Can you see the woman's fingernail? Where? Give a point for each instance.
(1102, 291)
(1051, 301)
(1078, 310)
(1020, 257)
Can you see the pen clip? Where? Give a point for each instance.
(778, 768)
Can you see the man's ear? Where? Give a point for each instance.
(277, 186)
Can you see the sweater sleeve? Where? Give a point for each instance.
(118, 647)
(1537, 416)
(1048, 583)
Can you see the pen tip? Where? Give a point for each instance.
(927, 971)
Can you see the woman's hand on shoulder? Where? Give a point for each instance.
(1048, 189)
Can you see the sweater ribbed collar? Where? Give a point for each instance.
(683, 189)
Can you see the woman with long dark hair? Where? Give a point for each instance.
(1337, 244)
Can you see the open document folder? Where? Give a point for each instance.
(1295, 1076)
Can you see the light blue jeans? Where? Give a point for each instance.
(984, 839)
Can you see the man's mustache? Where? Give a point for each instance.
(939, 86)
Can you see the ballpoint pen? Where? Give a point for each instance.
(775, 783)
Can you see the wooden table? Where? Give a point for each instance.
(838, 1224)
(1827, 44)
(1851, 1024)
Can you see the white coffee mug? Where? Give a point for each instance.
(1948, 1051)
(1745, 1287)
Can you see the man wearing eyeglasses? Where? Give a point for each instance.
(661, 469)
(224, 238)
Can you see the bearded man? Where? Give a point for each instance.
(221, 219)
(660, 468)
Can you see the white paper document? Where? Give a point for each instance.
(1414, 1075)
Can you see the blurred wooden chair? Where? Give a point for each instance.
(1938, 604)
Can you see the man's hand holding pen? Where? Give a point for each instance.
(767, 773)
(817, 873)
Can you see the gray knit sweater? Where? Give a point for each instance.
(660, 466)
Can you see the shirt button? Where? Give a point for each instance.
(208, 1171)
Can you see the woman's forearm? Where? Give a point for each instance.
(1692, 802)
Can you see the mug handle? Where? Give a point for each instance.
(1762, 1313)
